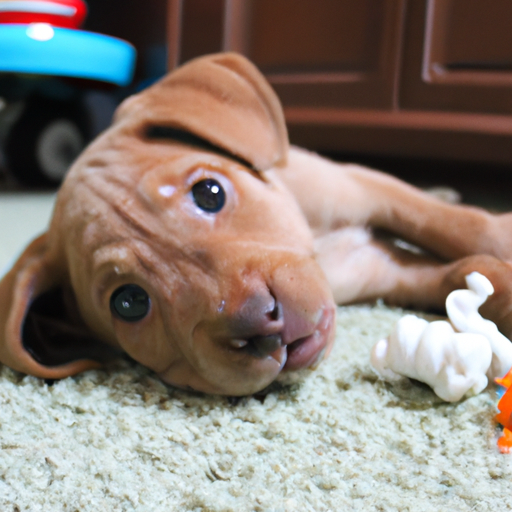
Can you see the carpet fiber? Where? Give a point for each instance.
(336, 439)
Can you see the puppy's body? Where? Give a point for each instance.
(239, 244)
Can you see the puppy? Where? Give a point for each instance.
(191, 236)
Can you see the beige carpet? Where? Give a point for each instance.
(337, 440)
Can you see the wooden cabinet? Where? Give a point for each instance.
(322, 53)
(142, 23)
(423, 78)
(463, 61)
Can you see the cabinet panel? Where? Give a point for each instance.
(474, 36)
(320, 52)
(313, 37)
(142, 24)
(458, 56)
(201, 28)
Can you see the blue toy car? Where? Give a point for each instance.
(47, 69)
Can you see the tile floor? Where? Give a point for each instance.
(23, 216)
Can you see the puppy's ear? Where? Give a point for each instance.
(222, 98)
(40, 332)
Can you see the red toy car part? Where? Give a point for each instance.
(59, 13)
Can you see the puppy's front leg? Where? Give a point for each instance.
(336, 195)
(360, 268)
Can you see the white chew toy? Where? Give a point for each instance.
(462, 309)
(456, 358)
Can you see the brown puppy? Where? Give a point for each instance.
(190, 236)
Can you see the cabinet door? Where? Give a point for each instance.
(458, 56)
(320, 53)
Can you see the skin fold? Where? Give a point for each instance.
(244, 294)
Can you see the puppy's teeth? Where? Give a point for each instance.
(238, 343)
(319, 359)
(281, 356)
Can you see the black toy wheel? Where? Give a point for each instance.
(44, 142)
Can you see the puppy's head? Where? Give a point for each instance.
(173, 240)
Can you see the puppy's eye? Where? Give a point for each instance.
(209, 195)
(130, 303)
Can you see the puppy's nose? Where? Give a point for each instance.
(260, 311)
(256, 327)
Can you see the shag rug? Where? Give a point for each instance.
(337, 439)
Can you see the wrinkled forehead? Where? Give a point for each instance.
(118, 192)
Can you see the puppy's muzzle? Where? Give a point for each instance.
(261, 319)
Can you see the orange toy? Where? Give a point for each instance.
(505, 415)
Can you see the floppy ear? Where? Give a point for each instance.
(40, 334)
(222, 98)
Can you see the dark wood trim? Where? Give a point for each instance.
(174, 10)
(404, 119)
(235, 23)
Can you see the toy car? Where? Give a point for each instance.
(47, 66)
